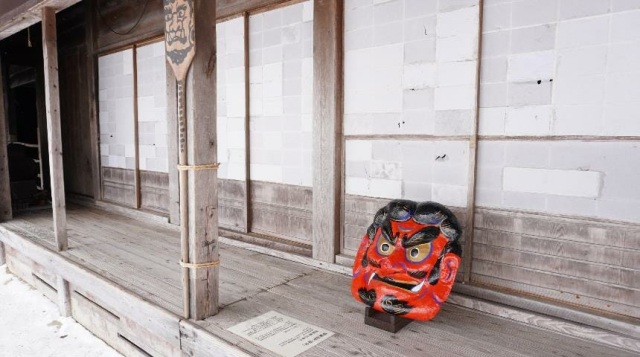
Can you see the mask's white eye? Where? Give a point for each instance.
(384, 247)
(418, 253)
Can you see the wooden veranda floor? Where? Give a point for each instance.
(142, 257)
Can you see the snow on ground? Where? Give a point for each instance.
(31, 326)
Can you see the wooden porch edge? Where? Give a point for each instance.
(549, 309)
(548, 323)
(153, 328)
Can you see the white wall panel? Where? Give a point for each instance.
(231, 99)
(281, 85)
(116, 116)
(560, 68)
(152, 107)
(410, 68)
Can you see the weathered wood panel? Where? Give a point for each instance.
(154, 191)
(233, 8)
(16, 17)
(281, 210)
(231, 198)
(118, 186)
(124, 22)
(590, 264)
(196, 341)
(327, 128)
(75, 118)
(101, 323)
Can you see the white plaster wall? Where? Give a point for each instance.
(281, 84)
(416, 170)
(410, 68)
(152, 107)
(558, 67)
(115, 81)
(231, 99)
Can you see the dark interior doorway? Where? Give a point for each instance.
(26, 148)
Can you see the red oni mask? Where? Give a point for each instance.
(408, 259)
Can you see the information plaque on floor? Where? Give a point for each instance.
(281, 334)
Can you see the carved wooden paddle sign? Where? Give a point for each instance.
(180, 48)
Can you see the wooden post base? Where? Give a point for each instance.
(384, 321)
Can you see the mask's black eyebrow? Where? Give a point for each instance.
(425, 235)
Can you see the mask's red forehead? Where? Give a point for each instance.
(407, 228)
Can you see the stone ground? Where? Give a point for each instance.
(31, 326)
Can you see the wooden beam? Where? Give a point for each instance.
(92, 70)
(327, 128)
(473, 159)
(5, 186)
(202, 150)
(247, 127)
(227, 9)
(136, 131)
(52, 98)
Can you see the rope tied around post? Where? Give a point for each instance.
(214, 166)
(207, 265)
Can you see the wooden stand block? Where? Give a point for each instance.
(384, 321)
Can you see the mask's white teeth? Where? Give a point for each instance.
(371, 278)
(417, 287)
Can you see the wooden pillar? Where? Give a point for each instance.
(5, 187)
(54, 134)
(202, 150)
(327, 128)
(52, 98)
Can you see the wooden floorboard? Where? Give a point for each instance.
(143, 258)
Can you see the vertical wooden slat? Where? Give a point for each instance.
(202, 150)
(247, 133)
(327, 127)
(136, 132)
(41, 110)
(52, 98)
(94, 128)
(5, 187)
(3, 259)
(473, 158)
(64, 297)
(172, 148)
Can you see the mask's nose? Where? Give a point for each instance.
(393, 263)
